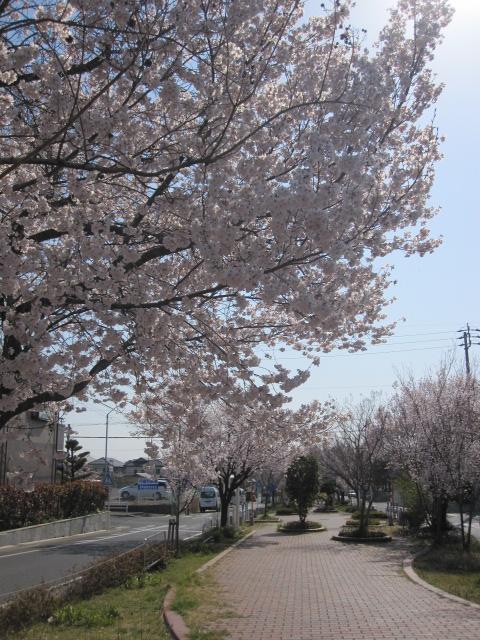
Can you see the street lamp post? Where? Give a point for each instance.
(105, 470)
(253, 487)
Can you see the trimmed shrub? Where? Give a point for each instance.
(19, 508)
(285, 511)
(373, 515)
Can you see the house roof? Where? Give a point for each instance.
(137, 461)
(111, 461)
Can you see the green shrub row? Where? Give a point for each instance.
(373, 514)
(19, 508)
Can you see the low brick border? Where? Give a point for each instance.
(174, 621)
(362, 540)
(410, 572)
(300, 531)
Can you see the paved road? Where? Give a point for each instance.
(25, 565)
(306, 587)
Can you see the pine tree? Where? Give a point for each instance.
(75, 462)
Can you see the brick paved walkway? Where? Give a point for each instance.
(308, 587)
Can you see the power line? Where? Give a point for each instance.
(415, 335)
(377, 353)
(363, 353)
(117, 437)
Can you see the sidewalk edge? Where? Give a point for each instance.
(174, 621)
(223, 553)
(410, 572)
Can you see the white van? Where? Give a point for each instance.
(209, 498)
(144, 490)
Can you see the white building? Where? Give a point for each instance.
(32, 450)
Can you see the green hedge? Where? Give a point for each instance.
(19, 508)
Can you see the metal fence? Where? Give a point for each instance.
(395, 513)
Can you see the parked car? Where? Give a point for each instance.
(209, 498)
(155, 490)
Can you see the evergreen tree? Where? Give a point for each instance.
(302, 484)
(75, 462)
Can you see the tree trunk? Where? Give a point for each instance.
(439, 518)
(471, 511)
(224, 504)
(177, 527)
(462, 520)
(363, 521)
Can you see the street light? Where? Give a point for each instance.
(253, 499)
(105, 471)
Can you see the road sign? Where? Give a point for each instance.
(147, 485)
(107, 480)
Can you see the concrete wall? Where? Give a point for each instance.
(56, 529)
(32, 450)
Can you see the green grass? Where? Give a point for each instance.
(450, 568)
(134, 611)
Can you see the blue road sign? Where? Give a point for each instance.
(107, 480)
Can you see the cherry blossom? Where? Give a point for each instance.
(188, 180)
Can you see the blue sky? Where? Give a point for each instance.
(436, 294)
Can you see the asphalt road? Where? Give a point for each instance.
(30, 564)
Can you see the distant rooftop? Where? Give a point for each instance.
(111, 461)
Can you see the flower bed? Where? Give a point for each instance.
(352, 534)
(298, 527)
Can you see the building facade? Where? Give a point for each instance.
(32, 450)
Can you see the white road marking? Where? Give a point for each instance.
(150, 528)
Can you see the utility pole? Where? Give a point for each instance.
(106, 472)
(466, 342)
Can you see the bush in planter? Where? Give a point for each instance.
(349, 532)
(371, 522)
(297, 525)
(372, 515)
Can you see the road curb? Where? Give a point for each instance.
(410, 572)
(174, 621)
(223, 553)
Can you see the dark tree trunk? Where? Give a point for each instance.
(439, 518)
(225, 499)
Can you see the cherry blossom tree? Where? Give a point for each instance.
(186, 179)
(435, 437)
(232, 437)
(185, 474)
(355, 452)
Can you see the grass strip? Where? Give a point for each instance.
(133, 610)
(451, 569)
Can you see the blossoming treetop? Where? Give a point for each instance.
(184, 178)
